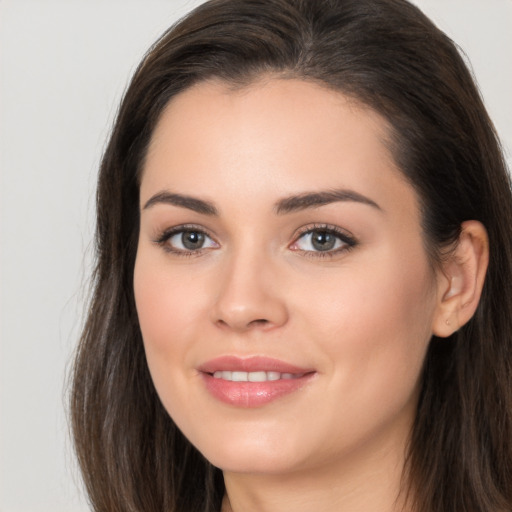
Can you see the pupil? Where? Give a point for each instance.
(322, 240)
(192, 240)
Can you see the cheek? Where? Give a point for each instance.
(168, 299)
(167, 309)
(375, 327)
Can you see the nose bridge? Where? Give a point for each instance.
(247, 294)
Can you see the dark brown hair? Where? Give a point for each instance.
(387, 55)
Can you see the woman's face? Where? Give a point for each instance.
(282, 286)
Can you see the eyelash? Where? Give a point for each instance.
(167, 234)
(349, 242)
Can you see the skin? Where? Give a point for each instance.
(361, 317)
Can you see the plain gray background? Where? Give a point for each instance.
(64, 65)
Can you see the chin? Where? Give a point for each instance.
(252, 463)
(252, 454)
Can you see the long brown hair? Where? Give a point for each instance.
(389, 56)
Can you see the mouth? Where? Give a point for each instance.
(252, 382)
(255, 376)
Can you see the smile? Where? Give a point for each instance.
(252, 382)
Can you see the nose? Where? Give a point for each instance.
(250, 295)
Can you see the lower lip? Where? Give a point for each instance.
(252, 394)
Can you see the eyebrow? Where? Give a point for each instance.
(283, 206)
(321, 198)
(191, 203)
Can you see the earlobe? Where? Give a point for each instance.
(461, 279)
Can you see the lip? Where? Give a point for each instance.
(250, 364)
(252, 394)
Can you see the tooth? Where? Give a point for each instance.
(260, 376)
(239, 377)
(256, 376)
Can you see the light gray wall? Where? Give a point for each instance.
(64, 65)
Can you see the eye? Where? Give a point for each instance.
(183, 240)
(323, 240)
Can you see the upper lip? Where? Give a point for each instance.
(250, 364)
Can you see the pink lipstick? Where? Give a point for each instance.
(252, 382)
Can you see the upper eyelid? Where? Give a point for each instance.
(165, 234)
(323, 227)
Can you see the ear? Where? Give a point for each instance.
(461, 279)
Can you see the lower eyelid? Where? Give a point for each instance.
(331, 254)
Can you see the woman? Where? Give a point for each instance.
(304, 254)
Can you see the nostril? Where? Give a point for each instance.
(259, 321)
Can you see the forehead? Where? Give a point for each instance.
(273, 137)
(268, 104)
